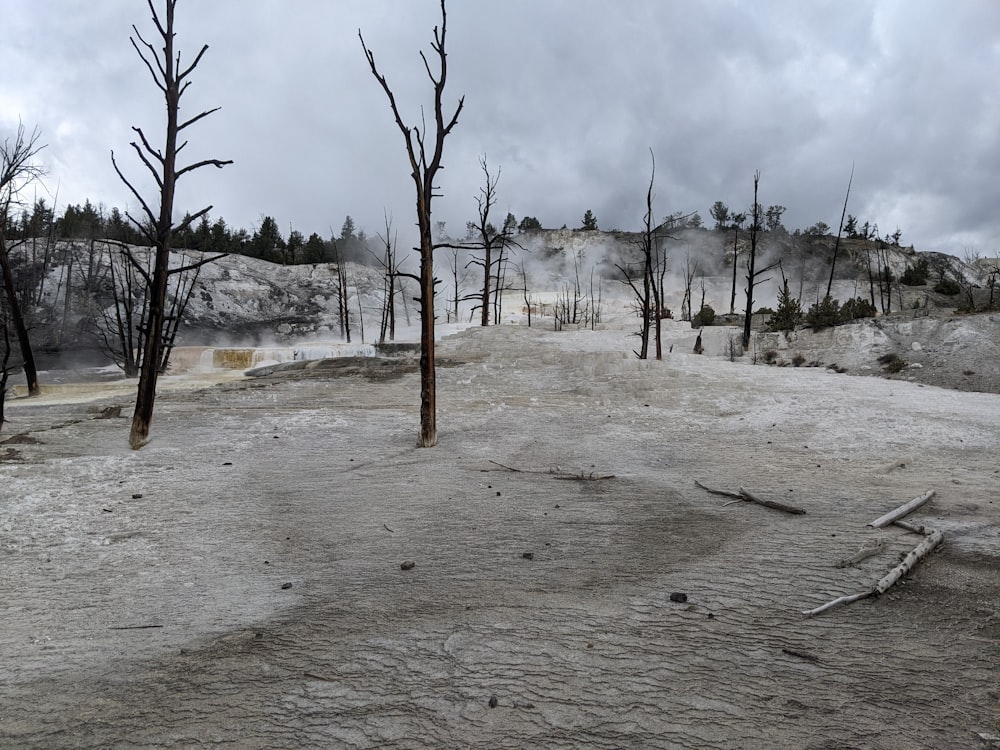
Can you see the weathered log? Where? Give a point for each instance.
(771, 503)
(902, 511)
(909, 562)
(915, 528)
(868, 549)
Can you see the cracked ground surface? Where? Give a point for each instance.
(146, 597)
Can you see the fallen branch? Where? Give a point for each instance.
(772, 504)
(868, 549)
(724, 493)
(750, 498)
(591, 477)
(915, 528)
(557, 473)
(133, 627)
(909, 562)
(902, 511)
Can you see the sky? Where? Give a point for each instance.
(567, 98)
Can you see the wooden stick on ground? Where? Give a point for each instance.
(868, 549)
(747, 497)
(915, 555)
(771, 503)
(902, 511)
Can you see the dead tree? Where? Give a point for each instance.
(425, 162)
(642, 281)
(738, 220)
(343, 293)
(390, 276)
(840, 231)
(17, 169)
(158, 227)
(752, 271)
(487, 239)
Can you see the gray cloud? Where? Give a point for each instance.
(566, 97)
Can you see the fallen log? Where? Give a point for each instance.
(914, 556)
(909, 562)
(902, 511)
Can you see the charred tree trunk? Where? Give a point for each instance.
(17, 319)
(171, 80)
(425, 167)
(840, 231)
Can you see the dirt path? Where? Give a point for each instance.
(146, 597)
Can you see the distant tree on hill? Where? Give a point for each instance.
(528, 224)
(720, 212)
(589, 221)
(772, 218)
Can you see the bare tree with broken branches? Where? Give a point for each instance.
(18, 168)
(158, 226)
(425, 150)
(756, 227)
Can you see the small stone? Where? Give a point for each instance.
(286, 585)
(493, 702)
(407, 565)
(227, 463)
(136, 495)
(498, 494)
(528, 555)
(678, 597)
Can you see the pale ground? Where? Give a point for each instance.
(146, 596)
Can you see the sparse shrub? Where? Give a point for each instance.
(706, 316)
(789, 312)
(916, 275)
(764, 311)
(798, 360)
(892, 363)
(823, 314)
(855, 309)
(770, 356)
(947, 286)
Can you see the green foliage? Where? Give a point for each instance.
(947, 286)
(706, 316)
(892, 363)
(529, 223)
(720, 212)
(855, 309)
(789, 312)
(916, 275)
(589, 221)
(823, 314)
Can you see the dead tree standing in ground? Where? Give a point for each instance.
(752, 271)
(840, 231)
(425, 167)
(644, 289)
(17, 169)
(159, 227)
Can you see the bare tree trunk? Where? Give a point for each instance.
(424, 168)
(20, 330)
(171, 80)
(751, 262)
(840, 231)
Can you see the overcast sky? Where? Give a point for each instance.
(566, 97)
